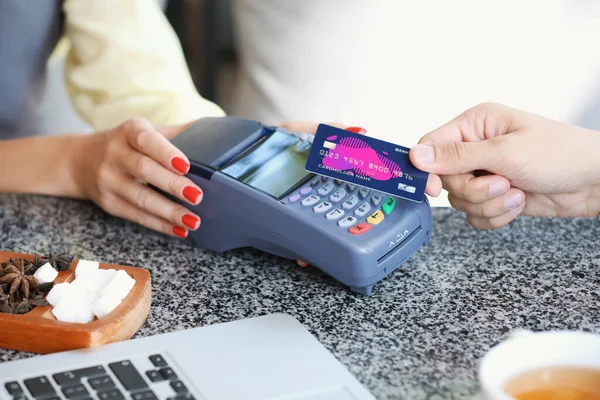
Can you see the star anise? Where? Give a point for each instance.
(20, 291)
(27, 305)
(15, 275)
(34, 265)
(5, 304)
(27, 265)
(60, 262)
(42, 289)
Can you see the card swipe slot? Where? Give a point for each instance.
(397, 247)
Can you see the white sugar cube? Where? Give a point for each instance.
(86, 281)
(79, 291)
(119, 286)
(68, 310)
(45, 273)
(84, 266)
(93, 292)
(57, 292)
(105, 304)
(93, 297)
(103, 278)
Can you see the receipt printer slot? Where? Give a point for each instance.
(212, 142)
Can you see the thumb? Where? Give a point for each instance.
(453, 158)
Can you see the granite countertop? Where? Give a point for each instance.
(419, 336)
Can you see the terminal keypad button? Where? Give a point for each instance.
(346, 222)
(362, 210)
(363, 192)
(322, 207)
(310, 200)
(326, 189)
(294, 198)
(350, 202)
(389, 205)
(377, 198)
(338, 195)
(359, 229)
(335, 214)
(375, 218)
(305, 190)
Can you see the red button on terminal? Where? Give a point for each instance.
(360, 228)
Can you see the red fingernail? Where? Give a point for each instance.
(191, 193)
(179, 231)
(190, 221)
(180, 165)
(357, 129)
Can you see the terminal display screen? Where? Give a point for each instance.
(274, 165)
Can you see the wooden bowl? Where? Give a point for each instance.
(40, 332)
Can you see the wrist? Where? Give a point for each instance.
(80, 164)
(63, 171)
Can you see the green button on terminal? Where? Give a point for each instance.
(389, 205)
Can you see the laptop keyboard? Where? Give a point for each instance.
(119, 380)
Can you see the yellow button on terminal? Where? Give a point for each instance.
(375, 218)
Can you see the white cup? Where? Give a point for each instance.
(527, 350)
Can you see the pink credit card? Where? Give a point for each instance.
(367, 162)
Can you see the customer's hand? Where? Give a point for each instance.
(497, 162)
(113, 164)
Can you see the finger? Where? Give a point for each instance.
(512, 200)
(465, 143)
(302, 263)
(475, 189)
(146, 169)
(458, 157)
(142, 136)
(156, 204)
(119, 207)
(495, 222)
(481, 122)
(434, 185)
(356, 129)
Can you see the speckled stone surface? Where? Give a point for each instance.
(419, 336)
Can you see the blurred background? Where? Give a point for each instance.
(398, 68)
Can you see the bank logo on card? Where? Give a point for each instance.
(366, 162)
(407, 188)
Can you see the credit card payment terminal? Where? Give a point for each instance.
(258, 194)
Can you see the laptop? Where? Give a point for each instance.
(271, 357)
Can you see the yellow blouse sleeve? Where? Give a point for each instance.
(125, 60)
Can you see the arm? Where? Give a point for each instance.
(107, 167)
(125, 60)
(41, 165)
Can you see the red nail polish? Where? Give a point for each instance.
(179, 231)
(180, 165)
(190, 221)
(191, 193)
(357, 129)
